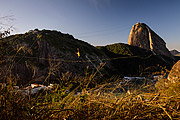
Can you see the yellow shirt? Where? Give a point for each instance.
(78, 54)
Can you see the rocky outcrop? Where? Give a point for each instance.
(174, 75)
(142, 36)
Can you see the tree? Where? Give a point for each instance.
(6, 26)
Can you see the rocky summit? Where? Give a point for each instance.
(142, 36)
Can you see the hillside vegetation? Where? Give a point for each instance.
(83, 88)
(130, 100)
(135, 61)
(125, 49)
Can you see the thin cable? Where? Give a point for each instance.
(104, 34)
(104, 30)
(19, 59)
(71, 61)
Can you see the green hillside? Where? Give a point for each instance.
(125, 49)
(135, 61)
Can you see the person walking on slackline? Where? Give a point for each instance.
(78, 54)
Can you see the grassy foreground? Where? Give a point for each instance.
(106, 101)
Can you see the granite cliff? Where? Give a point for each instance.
(144, 37)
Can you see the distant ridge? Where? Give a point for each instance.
(175, 52)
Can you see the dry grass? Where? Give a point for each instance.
(91, 104)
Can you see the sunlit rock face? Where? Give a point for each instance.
(174, 75)
(142, 36)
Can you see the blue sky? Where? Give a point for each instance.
(98, 22)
